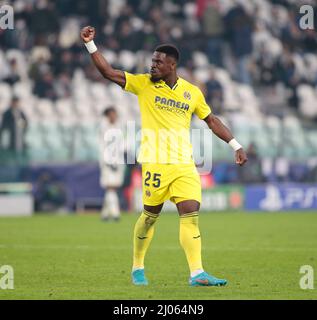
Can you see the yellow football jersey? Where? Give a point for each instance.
(165, 117)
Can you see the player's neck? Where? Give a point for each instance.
(171, 80)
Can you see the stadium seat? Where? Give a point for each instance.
(127, 60)
(40, 53)
(311, 67)
(300, 65)
(37, 150)
(85, 108)
(46, 108)
(201, 74)
(274, 130)
(200, 60)
(307, 97)
(85, 141)
(23, 89)
(312, 141)
(249, 102)
(231, 99)
(295, 135)
(4, 68)
(260, 136)
(28, 107)
(99, 91)
(69, 32)
(65, 109)
(55, 144)
(110, 56)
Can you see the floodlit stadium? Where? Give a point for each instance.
(119, 115)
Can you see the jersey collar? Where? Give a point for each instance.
(175, 85)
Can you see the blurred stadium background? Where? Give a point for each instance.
(257, 68)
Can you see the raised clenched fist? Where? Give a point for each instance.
(87, 33)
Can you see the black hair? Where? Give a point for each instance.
(169, 50)
(108, 110)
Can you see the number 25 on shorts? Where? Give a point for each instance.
(155, 181)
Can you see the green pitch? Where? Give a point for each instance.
(80, 257)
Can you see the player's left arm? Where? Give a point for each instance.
(221, 131)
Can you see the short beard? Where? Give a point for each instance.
(153, 79)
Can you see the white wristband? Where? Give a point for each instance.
(91, 47)
(235, 145)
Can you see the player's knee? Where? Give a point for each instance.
(153, 209)
(188, 206)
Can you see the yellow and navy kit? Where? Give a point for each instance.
(165, 117)
(168, 169)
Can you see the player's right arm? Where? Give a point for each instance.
(87, 34)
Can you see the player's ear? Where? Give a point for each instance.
(173, 65)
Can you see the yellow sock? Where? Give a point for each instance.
(190, 240)
(143, 234)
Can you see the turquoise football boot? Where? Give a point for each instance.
(204, 279)
(138, 278)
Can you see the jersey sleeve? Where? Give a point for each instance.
(135, 83)
(202, 109)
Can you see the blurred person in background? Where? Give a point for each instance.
(288, 75)
(214, 93)
(111, 163)
(50, 194)
(213, 28)
(12, 132)
(63, 85)
(239, 30)
(45, 86)
(13, 75)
